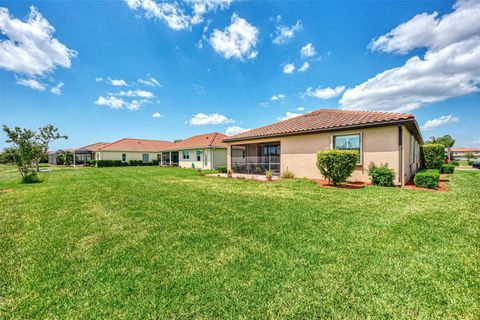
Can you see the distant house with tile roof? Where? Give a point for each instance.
(459, 153)
(204, 151)
(292, 144)
(132, 149)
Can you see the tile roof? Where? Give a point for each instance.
(465, 150)
(214, 139)
(129, 144)
(94, 146)
(322, 120)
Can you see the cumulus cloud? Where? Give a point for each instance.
(238, 40)
(157, 115)
(235, 130)
(57, 89)
(178, 15)
(304, 67)
(276, 97)
(443, 120)
(308, 51)
(449, 68)
(152, 82)
(284, 33)
(31, 83)
(213, 118)
(289, 115)
(136, 93)
(289, 68)
(300, 108)
(29, 47)
(324, 93)
(117, 82)
(110, 101)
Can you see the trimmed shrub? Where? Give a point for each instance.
(110, 163)
(447, 168)
(288, 175)
(427, 178)
(434, 155)
(222, 169)
(336, 165)
(470, 162)
(32, 177)
(456, 163)
(381, 175)
(135, 162)
(155, 162)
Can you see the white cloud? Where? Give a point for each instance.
(214, 118)
(300, 108)
(57, 89)
(29, 47)
(235, 130)
(117, 82)
(289, 115)
(157, 115)
(443, 120)
(31, 83)
(98, 79)
(324, 93)
(136, 93)
(110, 101)
(284, 33)
(264, 104)
(173, 13)
(152, 82)
(238, 40)
(276, 97)
(449, 68)
(308, 50)
(289, 68)
(304, 67)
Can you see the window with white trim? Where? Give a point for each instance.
(124, 157)
(185, 155)
(199, 155)
(349, 142)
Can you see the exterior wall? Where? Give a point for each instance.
(131, 155)
(219, 158)
(411, 155)
(298, 152)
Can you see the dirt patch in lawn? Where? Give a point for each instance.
(345, 185)
(6, 190)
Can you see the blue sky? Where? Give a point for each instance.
(157, 70)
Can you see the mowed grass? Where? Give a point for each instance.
(149, 242)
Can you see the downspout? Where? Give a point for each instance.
(400, 155)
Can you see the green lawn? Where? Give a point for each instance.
(149, 242)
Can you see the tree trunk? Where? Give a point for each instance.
(37, 165)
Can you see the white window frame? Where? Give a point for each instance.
(185, 155)
(360, 134)
(124, 157)
(198, 155)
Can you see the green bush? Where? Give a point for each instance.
(288, 175)
(155, 162)
(337, 165)
(381, 175)
(447, 168)
(32, 177)
(470, 162)
(135, 162)
(456, 163)
(91, 163)
(110, 163)
(427, 178)
(434, 155)
(222, 169)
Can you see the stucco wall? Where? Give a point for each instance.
(219, 159)
(298, 153)
(411, 155)
(117, 155)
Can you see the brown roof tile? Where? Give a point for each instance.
(95, 146)
(128, 144)
(465, 150)
(214, 139)
(321, 120)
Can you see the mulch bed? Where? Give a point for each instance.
(345, 185)
(442, 185)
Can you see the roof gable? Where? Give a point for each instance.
(207, 140)
(128, 144)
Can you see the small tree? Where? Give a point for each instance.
(65, 157)
(337, 165)
(469, 156)
(24, 147)
(434, 155)
(7, 156)
(46, 134)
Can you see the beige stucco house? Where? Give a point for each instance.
(205, 151)
(132, 149)
(379, 137)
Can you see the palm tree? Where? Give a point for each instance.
(447, 141)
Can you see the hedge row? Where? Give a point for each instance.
(433, 155)
(427, 178)
(120, 163)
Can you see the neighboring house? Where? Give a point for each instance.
(459, 153)
(292, 144)
(87, 153)
(205, 151)
(132, 149)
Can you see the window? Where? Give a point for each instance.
(199, 155)
(145, 157)
(124, 157)
(159, 156)
(349, 142)
(185, 155)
